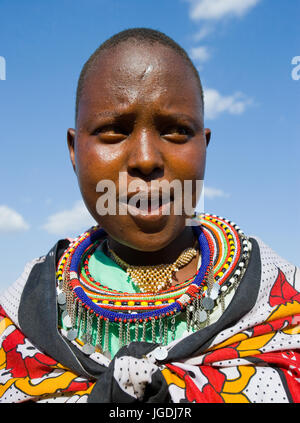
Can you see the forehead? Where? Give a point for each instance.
(134, 73)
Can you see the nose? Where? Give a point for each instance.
(145, 158)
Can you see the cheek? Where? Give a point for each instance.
(189, 168)
(95, 162)
(189, 162)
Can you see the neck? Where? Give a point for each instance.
(165, 255)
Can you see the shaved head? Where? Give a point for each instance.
(138, 36)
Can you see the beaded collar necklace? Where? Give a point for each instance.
(86, 302)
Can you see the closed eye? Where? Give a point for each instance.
(111, 133)
(177, 133)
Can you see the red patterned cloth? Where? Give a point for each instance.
(255, 359)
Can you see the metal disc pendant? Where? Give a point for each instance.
(88, 349)
(72, 334)
(160, 353)
(208, 303)
(66, 319)
(61, 298)
(214, 293)
(201, 316)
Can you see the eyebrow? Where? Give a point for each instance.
(197, 121)
(112, 114)
(107, 114)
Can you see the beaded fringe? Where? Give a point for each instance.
(80, 320)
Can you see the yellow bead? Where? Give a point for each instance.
(131, 303)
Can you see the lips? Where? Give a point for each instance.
(148, 203)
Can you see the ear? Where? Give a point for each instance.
(207, 132)
(71, 134)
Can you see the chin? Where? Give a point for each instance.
(146, 237)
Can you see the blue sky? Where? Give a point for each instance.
(243, 50)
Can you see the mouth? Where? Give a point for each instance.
(148, 204)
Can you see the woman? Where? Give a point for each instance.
(150, 305)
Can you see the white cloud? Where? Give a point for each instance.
(209, 193)
(218, 9)
(203, 32)
(11, 221)
(200, 54)
(68, 222)
(212, 193)
(216, 103)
